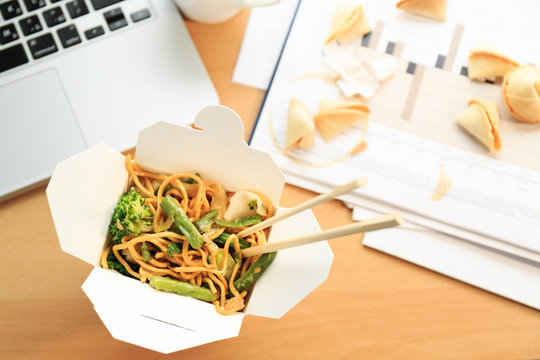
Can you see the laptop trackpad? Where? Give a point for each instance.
(37, 130)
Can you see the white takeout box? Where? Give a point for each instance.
(84, 190)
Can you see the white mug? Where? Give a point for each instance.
(214, 11)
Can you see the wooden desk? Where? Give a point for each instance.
(371, 306)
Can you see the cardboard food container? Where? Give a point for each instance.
(84, 190)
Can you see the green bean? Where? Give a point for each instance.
(222, 239)
(240, 222)
(181, 288)
(204, 223)
(145, 252)
(254, 271)
(182, 222)
(173, 248)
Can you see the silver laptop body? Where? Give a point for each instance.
(90, 75)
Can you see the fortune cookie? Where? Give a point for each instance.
(336, 115)
(481, 119)
(435, 9)
(300, 126)
(521, 93)
(486, 61)
(349, 23)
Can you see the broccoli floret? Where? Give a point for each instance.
(116, 265)
(131, 217)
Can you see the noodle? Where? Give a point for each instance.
(198, 267)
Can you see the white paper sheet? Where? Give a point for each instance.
(494, 196)
(494, 199)
(480, 266)
(263, 40)
(459, 259)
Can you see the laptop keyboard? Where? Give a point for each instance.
(31, 30)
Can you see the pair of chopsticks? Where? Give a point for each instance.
(372, 224)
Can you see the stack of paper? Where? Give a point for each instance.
(413, 139)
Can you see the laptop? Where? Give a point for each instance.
(76, 73)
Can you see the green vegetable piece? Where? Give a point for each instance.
(181, 288)
(254, 271)
(167, 188)
(230, 264)
(173, 248)
(204, 223)
(157, 183)
(131, 217)
(145, 253)
(240, 222)
(116, 265)
(252, 204)
(182, 222)
(222, 238)
(189, 180)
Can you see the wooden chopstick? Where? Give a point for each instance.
(304, 206)
(371, 224)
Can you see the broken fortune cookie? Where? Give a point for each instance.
(300, 126)
(435, 9)
(521, 93)
(486, 61)
(335, 115)
(481, 119)
(349, 23)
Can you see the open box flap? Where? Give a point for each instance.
(82, 194)
(218, 153)
(111, 291)
(151, 333)
(294, 273)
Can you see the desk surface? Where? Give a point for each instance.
(371, 306)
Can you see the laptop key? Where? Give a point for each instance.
(115, 19)
(140, 15)
(12, 57)
(94, 32)
(77, 8)
(54, 16)
(100, 4)
(42, 46)
(8, 33)
(30, 25)
(32, 5)
(10, 9)
(69, 36)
